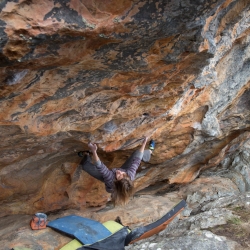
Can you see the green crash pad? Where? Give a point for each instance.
(72, 245)
(112, 226)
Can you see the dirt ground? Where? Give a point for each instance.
(237, 227)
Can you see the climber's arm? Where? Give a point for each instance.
(143, 144)
(106, 173)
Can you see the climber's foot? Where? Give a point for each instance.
(82, 153)
(152, 145)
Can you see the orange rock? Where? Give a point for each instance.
(112, 73)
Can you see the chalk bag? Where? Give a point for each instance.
(39, 221)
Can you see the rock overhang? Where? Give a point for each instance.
(111, 73)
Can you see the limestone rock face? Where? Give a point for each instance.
(111, 72)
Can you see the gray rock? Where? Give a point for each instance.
(194, 240)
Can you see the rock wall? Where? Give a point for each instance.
(218, 212)
(111, 72)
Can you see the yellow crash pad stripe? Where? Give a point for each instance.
(74, 244)
(112, 226)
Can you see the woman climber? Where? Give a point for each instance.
(118, 181)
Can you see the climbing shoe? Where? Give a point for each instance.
(152, 145)
(82, 153)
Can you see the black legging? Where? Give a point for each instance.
(90, 168)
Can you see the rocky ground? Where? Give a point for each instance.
(74, 72)
(220, 228)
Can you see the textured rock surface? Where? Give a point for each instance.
(194, 240)
(15, 230)
(79, 71)
(111, 72)
(192, 231)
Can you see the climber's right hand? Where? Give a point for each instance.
(92, 147)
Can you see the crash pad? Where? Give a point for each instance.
(114, 242)
(155, 227)
(112, 226)
(74, 244)
(87, 231)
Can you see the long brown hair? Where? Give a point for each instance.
(122, 190)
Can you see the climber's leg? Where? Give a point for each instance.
(128, 162)
(88, 167)
(146, 155)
